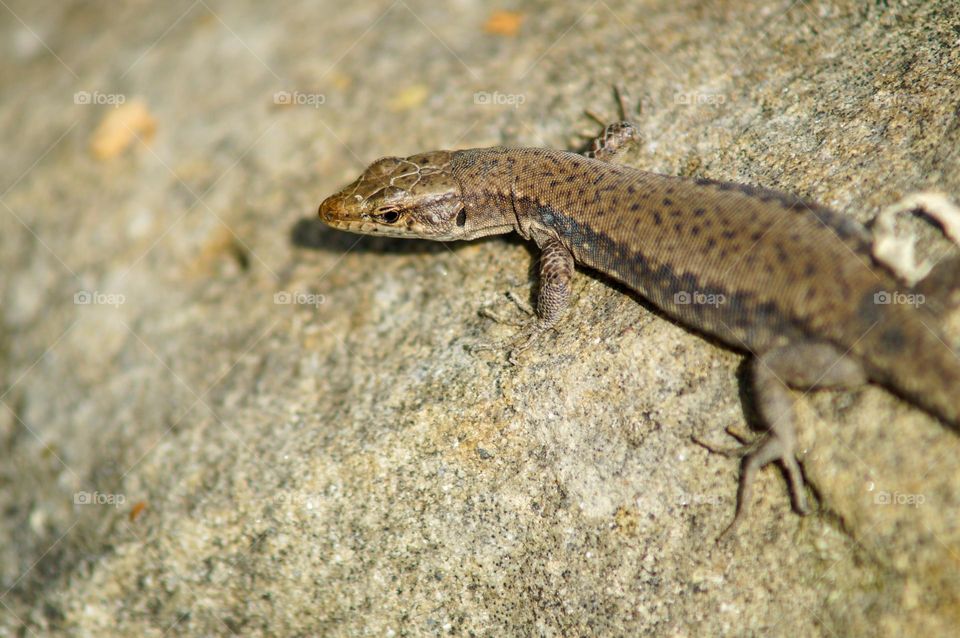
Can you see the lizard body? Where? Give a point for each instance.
(792, 283)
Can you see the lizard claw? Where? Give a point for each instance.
(756, 454)
(749, 444)
(520, 303)
(515, 347)
(771, 449)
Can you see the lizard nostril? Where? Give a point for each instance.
(326, 209)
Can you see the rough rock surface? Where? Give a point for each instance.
(333, 460)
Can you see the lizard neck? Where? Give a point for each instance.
(486, 177)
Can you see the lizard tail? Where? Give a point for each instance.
(908, 352)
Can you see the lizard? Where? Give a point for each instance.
(789, 282)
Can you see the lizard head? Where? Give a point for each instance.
(414, 196)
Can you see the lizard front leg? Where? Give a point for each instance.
(615, 138)
(553, 292)
(610, 145)
(556, 261)
(553, 296)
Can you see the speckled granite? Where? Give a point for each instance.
(218, 418)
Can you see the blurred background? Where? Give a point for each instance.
(219, 418)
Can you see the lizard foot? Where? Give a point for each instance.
(616, 137)
(755, 456)
(756, 453)
(748, 444)
(520, 303)
(517, 345)
(553, 296)
(804, 365)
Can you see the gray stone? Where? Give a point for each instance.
(192, 454)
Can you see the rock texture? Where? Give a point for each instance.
(217, 418)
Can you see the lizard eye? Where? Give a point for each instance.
(389, 216)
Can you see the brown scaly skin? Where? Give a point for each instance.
(790, 282)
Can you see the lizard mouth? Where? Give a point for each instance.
(333, 212)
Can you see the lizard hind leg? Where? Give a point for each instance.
(804, 366)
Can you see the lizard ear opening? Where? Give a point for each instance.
(462, 218)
